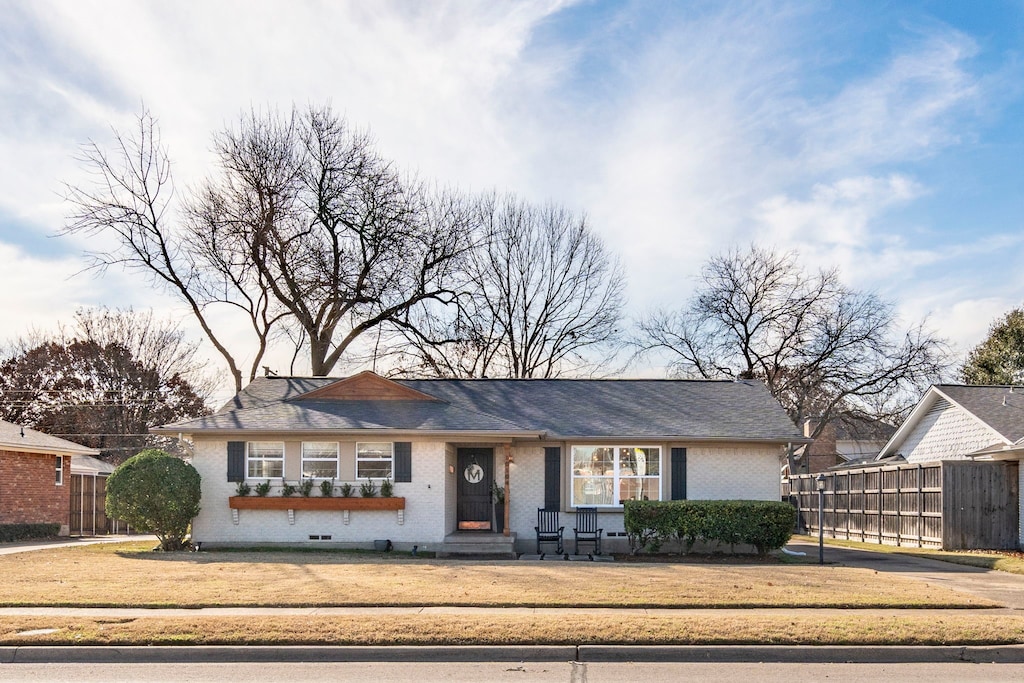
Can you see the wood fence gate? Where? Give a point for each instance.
(953, 504)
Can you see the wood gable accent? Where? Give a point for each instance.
(366, 386)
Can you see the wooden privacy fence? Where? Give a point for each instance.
(953, 504)
(88, 515)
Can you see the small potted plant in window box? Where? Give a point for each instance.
(387, 489)
(368, 489)
(347, 490)
(262, 489)
(327, 488)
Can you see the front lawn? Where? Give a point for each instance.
(129, 575)
(751, 627)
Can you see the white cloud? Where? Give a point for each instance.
(713, 126)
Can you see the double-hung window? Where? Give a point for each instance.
(374, 460)
(264, 459)
(60, 471)
(605, 476)
(319, 459)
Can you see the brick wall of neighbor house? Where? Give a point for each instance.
(946, 433)
(821, 453)
(740, 471)
(28, 490)
(424, 517)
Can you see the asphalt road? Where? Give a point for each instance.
(522, 672)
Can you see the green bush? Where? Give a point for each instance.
(155, 492)
(766, 525)
(25, 532)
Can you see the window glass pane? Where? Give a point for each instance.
(320, 449)
(638, 488)
(320, 469)
(265, 469)
(266, 449)
(373, 469)
(594, 461)
(374, 450)
(593, 491)
(639, 462)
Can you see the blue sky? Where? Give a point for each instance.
(884, 138)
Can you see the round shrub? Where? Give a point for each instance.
(157, 493)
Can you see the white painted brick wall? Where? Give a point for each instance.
(1020, 494)
(720, 471)
(949, 434)
(424, 511)
(728, 472)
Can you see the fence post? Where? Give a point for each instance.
(920, 506)
(899, 507)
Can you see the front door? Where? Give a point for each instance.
(475, 473)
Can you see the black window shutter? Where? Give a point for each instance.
(403, 461)
(236, 461)
(678, 474)
(552, 478)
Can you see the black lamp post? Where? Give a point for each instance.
(820, 482)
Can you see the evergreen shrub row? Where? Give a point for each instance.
(24, 532)
(766, 525)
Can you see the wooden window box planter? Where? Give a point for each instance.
(301, 503)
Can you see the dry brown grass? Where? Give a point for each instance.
(497, 629)
(130, 575)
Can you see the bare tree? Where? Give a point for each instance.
(544, 299)
(131, 203)
(303, 223)
(822, 349)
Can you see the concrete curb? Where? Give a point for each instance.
(998, 654)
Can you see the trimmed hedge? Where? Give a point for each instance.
(764, 524)
(25, 532)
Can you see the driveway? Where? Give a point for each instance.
(1002, 587)
(29, 546)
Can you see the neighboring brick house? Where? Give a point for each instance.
(844, 440)
(35, 476)
(554, 444)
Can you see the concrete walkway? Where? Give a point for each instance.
(69, 542)
(1002, 587)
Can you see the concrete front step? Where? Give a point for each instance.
(490, 545)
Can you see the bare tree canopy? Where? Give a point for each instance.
(1000, 358)
(543, 298)
(104, 382)
(823, 350)
(303, 224)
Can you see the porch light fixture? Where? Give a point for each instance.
(819, 481)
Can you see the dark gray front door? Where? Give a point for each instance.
(475, 473)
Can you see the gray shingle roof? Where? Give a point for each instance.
(986, 403)
(37, 442)
(558, 408)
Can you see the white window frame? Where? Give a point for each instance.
(334, 460)
(616, 477)
(248, 459)
(390, 460)
(59, 473)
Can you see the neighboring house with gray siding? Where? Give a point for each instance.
(960, 422)
(555, 444)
